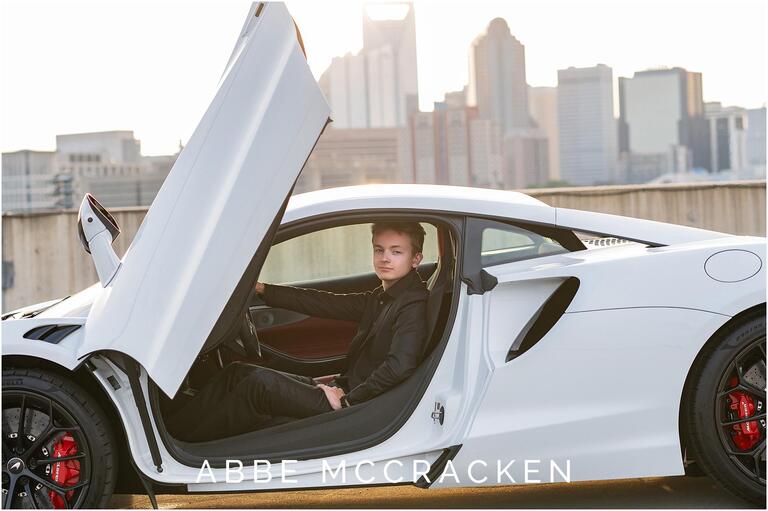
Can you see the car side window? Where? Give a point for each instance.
(502, 243)
(330, 253)
(488, 242)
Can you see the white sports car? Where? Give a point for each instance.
(564, 345)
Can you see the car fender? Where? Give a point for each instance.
(63, 353)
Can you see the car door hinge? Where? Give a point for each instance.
(438, 414)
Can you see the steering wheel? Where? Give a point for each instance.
(249, 337)
(244, 340)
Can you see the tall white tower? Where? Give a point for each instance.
(378, 86)
(390, 48)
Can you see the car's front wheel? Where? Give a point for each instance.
(58, 450)
(726, 410)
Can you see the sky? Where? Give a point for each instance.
(153, 66)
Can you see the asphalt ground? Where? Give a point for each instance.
(647, 493)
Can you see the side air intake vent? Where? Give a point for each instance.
(545, 318)
(605, 242)
(50, 333)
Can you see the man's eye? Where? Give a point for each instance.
(396, 252)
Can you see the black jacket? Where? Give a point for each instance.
(391, 335)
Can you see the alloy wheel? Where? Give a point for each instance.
(740, 410)
(45, 457)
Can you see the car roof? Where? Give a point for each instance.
(460, 199)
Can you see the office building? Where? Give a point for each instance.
(28, 182)
(542, 103)
(587, 134)
(526, 161)
(756, 140)
(661, 124)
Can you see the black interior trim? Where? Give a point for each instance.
(265, 317)
(488, 281)
(545, 318)
(437, 468)
(134, 370)
(326, 434)
(314, 367)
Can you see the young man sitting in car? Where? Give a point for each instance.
(386, 349)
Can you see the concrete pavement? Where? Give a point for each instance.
(648, 493)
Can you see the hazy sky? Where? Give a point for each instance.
(152, 66)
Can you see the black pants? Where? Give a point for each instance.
(243, 397)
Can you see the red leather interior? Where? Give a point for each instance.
(311, 338)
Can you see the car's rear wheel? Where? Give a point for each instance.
(58, 450)
(726, 410)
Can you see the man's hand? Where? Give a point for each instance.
(333, 394)
(260, 288)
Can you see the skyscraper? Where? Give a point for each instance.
(756, 140)
(587, 128)
(497, 77)
(343, 83)
(661, 124)
(393, 90)
(542, 102)
(727, 138)
(377, 87)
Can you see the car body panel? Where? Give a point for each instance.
(600, 393)
(615, 361)
(633, 275)
(77, 305)
(216, 205)
(63, 353)
(457, 199)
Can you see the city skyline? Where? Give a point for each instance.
(86, 92)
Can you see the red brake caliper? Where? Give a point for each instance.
(64, 473)
(741, 405)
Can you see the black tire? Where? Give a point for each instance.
(707, 409)
(78, 421)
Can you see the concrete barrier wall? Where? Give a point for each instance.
(43, 258)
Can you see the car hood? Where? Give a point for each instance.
(77, 305)
(217, 209)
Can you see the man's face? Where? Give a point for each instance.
(393, 256)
